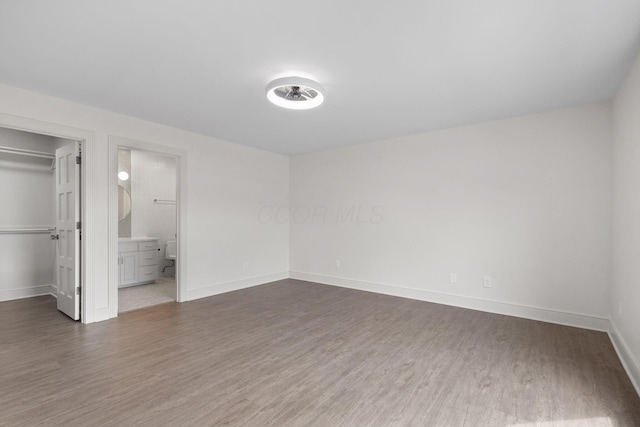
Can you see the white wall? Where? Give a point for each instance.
(625, 295)
(227, 184)
(153, 176)
(26, 195)
(524, 200)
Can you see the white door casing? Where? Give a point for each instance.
(68, 230)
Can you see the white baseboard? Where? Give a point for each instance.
(220, 288)
(33, 291)
(534, 313)
(629, 362)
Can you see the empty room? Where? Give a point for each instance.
(338, 213)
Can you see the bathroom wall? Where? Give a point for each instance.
(27, 201)
(124, 164)
(153, 177)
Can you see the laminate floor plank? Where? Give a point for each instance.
(293, 353)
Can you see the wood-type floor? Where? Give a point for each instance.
(292, 353)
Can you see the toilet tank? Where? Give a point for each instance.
(171, 249)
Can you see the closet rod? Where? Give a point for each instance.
(26, 230)
(31, 153)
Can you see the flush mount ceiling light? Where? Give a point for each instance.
(296, 93)
(123, 176)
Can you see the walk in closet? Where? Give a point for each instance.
(28, 233)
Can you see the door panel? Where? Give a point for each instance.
(67, 221)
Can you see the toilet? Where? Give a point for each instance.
(170, 253)
(171, 250)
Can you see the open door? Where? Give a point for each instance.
(68, 229)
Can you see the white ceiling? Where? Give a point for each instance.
(388, 68)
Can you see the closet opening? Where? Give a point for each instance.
(40, 219)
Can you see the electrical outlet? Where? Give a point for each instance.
(487, 282)
(338, 263)
(245, 265)
(453, 278)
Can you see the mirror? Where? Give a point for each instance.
(124, 203)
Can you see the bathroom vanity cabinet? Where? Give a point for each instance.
(137, 260)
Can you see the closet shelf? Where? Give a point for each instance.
(34, 230)
(30, 153)
(22, 152)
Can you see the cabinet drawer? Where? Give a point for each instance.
(148, 246)
(148, 258)
(128, 247)
(148, 273)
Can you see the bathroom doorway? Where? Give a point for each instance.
(147, 228)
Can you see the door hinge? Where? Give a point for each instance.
(78, 291)
(78, 160)
(78, 225)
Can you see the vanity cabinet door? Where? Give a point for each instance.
(129, 267)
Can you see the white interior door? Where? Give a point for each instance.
(68, 229)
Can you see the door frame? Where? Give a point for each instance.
(87, 211)
(180, 155)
